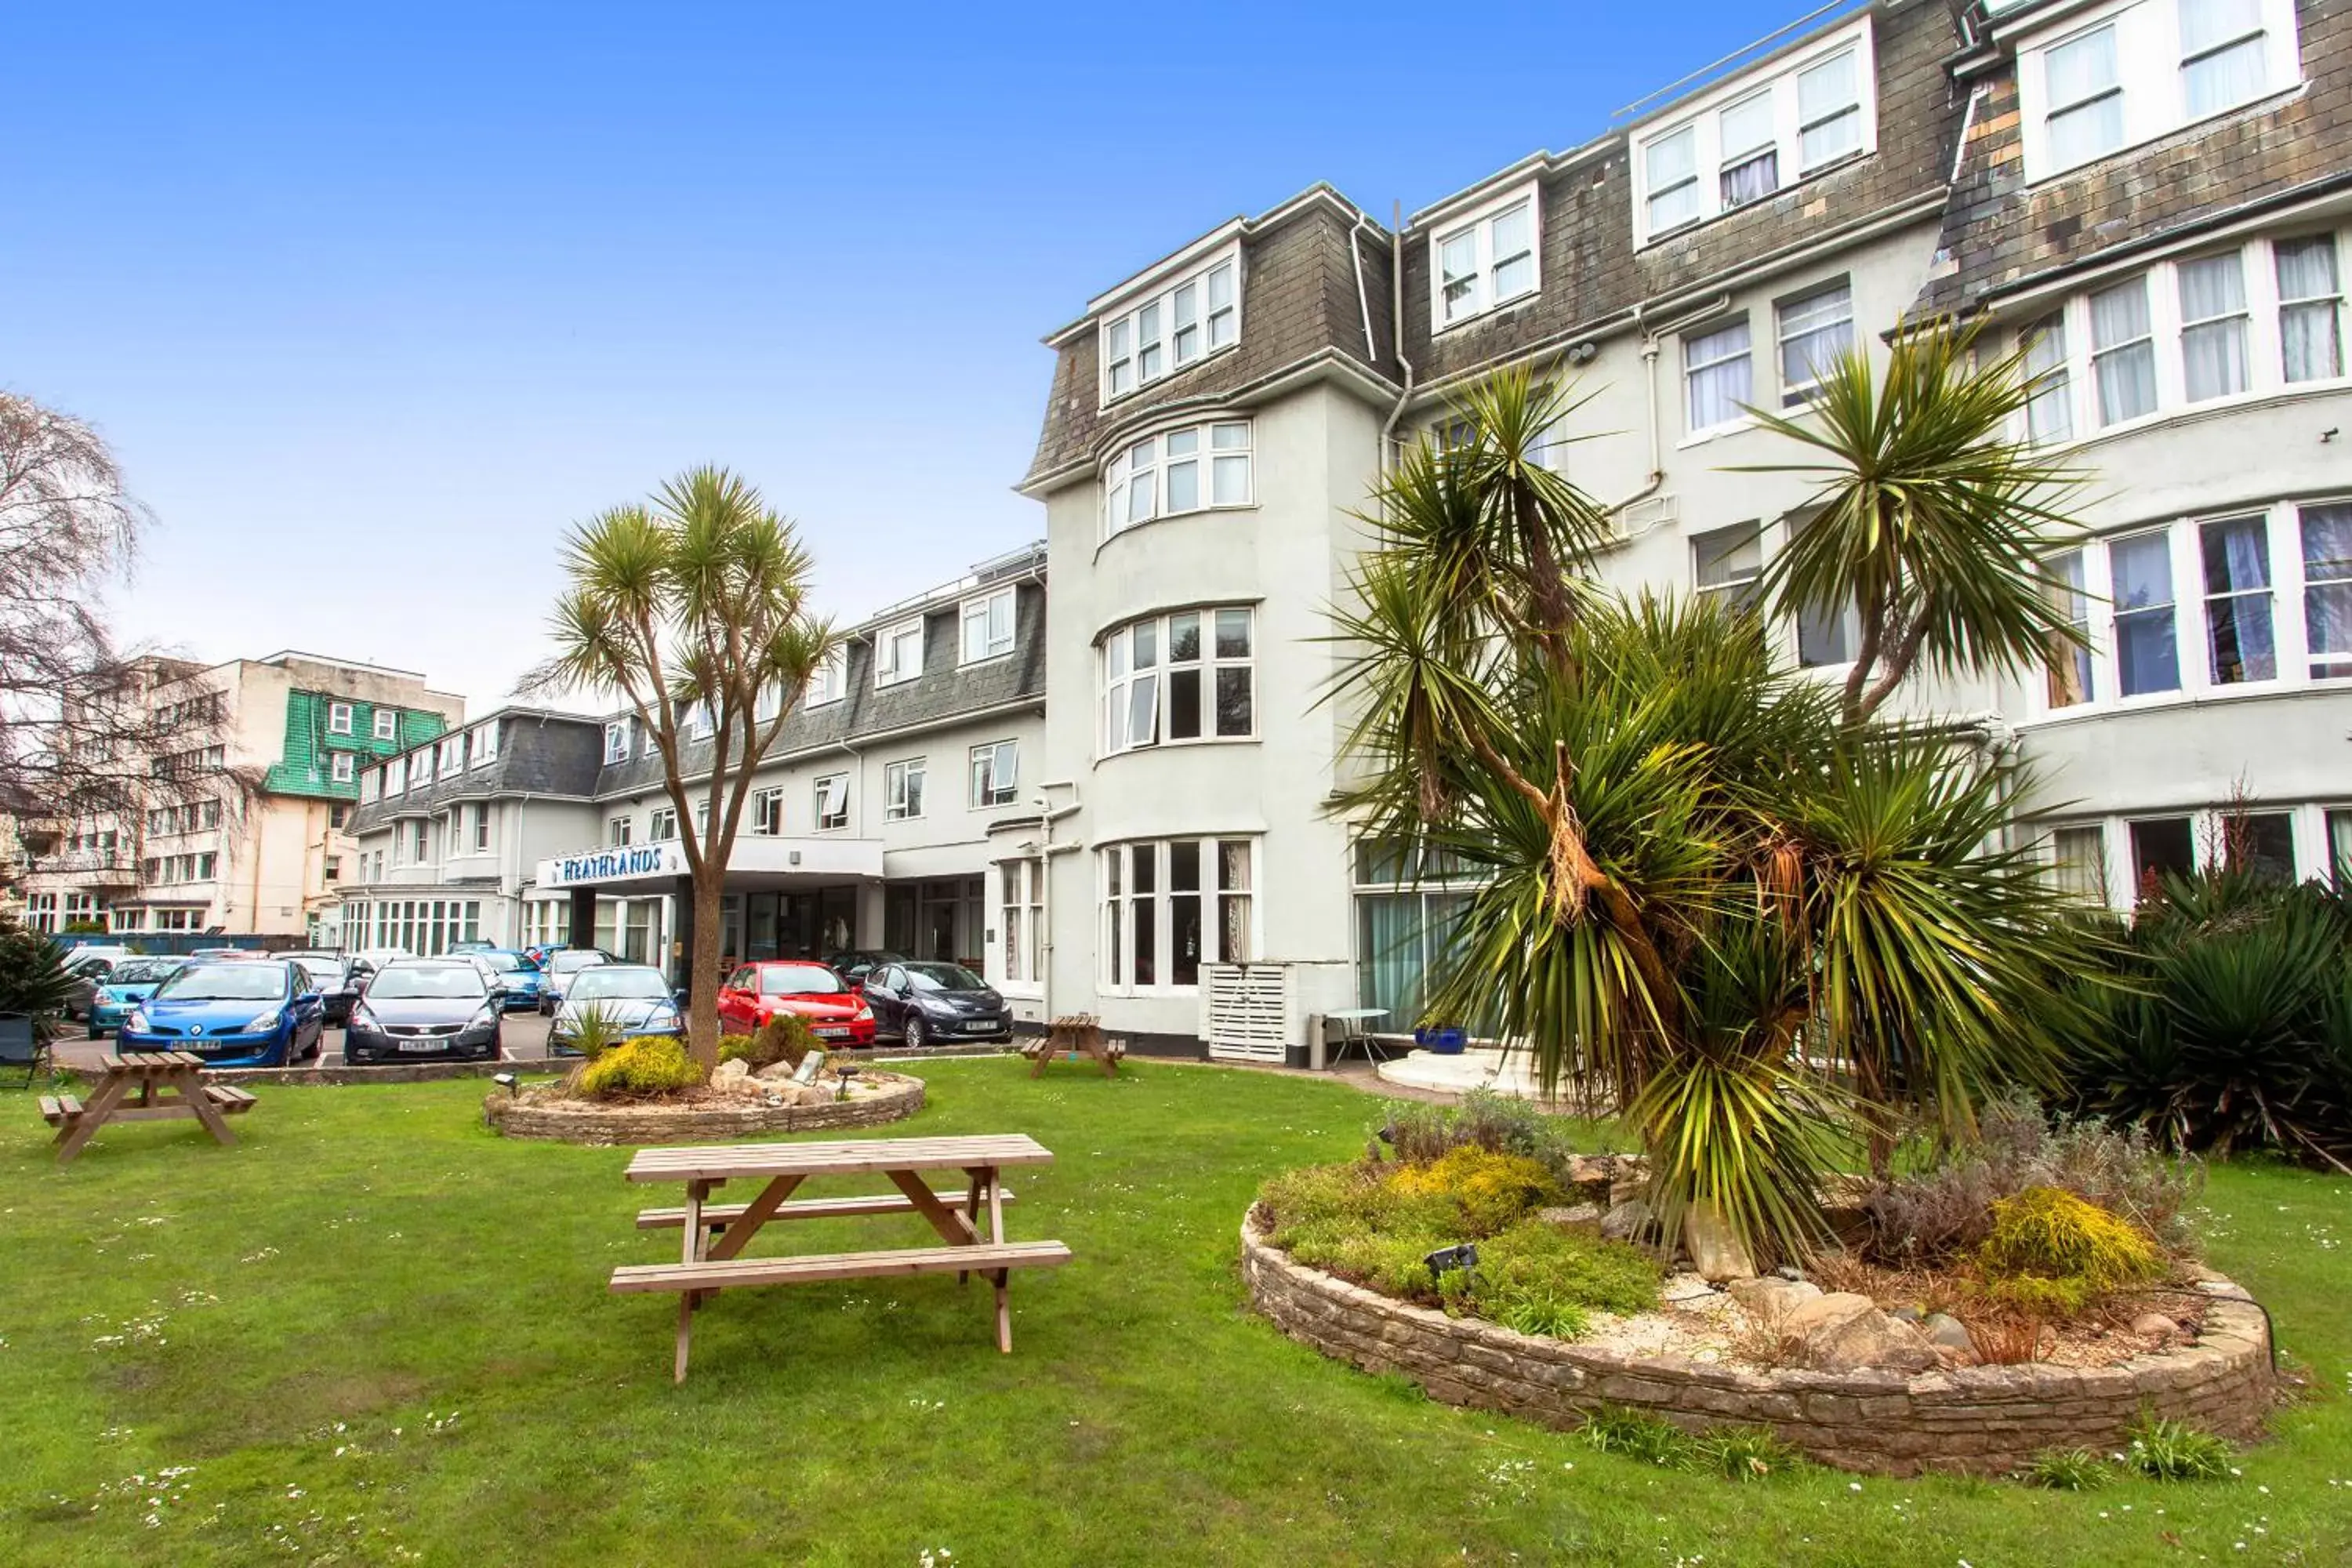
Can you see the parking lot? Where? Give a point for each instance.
(522, 1037)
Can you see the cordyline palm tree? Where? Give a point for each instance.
(696, 604)
(1930, 519)
(1707, 901)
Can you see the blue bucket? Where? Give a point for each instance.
(1446, 1042)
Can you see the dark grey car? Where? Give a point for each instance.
(936, 1004)
(419, 1009)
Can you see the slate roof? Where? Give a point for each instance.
(540, 753)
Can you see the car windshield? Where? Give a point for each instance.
(509, 963)
(621, 983)
(799, 980)
(322, 975)
(458, 981)
(136, 973)
(571, 962)
(246, 982)
(943, 977)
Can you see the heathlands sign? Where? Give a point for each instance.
(664, 859)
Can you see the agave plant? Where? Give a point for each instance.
(1706, 895)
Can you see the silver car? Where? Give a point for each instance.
(634, 998)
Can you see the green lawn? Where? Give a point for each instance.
(376, 1332)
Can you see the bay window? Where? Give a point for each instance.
(2213, 326)
(1173, 329)
(2238, 623)
(1195, 468)
(2326, 534)
(2050, 405)
(1487, 261)
(1409, 911)
(2123, 352)
(2070, 663)
(1170, 906)
(2147, 654)
(2311, 306)
(1189, 676)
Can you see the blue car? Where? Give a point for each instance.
(234, 1013)
(512, 972)
(129, 982)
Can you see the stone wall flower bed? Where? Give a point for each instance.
(1986, 1420)
(876, 1097)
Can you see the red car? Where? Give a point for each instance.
(756, 993)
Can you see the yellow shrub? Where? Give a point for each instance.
(656, 1063)
(1495, 1191)
(2049, 1234)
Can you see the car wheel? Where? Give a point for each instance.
(919, 1034)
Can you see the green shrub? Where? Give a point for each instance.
(1940, 1212)
(2067, 1470)
(1742, 1453)
(785, 1037)
(1533, 1262)
(652, 1065)
(1637, 1435)
(596, 1032)
(736, 1049)
(2170, 1451)
(32, 972)
(2049, 1234)
(1493, 1190)
(1499, 1123)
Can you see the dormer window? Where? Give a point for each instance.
(616, 740)
(1173, 329)
(1486, 261)
(830, 680)
(2127, 74)
(988, 626)
(1752, 137)
(899, 653)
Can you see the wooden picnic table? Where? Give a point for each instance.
(1079, 1033)
(715, 1235)
(143, 1086)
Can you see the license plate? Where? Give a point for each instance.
(421, 1045)
(830, 1033)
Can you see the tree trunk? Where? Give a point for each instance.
(702, 969)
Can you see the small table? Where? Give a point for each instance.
(145, 1086)
(1349, 1020)
(716, 1235)
(1080, 1034)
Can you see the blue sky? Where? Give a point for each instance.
(374, 304)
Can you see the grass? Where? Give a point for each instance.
(375, 1332)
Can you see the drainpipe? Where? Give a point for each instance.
(1396, 290)
(1363, 296)
(1651, 333)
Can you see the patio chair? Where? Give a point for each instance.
(21, 1045)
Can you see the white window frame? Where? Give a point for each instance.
(1115, 899)
(481, 827)
(1739, 419)
(768, 811)
(999, 763)
(2152, 68)
(1021, 886)
(887, 652)
(983, 611)
(2265, 345)
(1793, 393)
(482, 745)
(1138, 480)
(339, 718)
(1118, 676)
(1703, 117)
(620, 831)
(1474, 232)
(452, 760)
(829, 682)
(616, 740)
(385, 725)
(903, 788)
(1140, 338)
(835, 787)
(420, 765)
(342, 767)
(663, 826)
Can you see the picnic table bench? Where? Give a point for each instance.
(143, 1086)
(715, 1235)
(1079, 1033)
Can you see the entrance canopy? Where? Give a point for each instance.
(759, 860)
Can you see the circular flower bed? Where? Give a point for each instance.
(732, 1106)
(1986, 1420)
